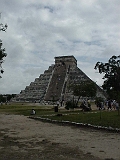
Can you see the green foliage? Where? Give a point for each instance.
(70, 105)
(84, 89)
(98, 99)
(6, 97)
(2, 99)
(2, 51)
(2, 55)
(111, 71)
(3, 27)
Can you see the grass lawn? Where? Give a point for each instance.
(105, 118)
(101, 118)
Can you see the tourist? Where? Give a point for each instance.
(99, 105)
(57, 103)
(109, 105)
(33, 112)
(114, 104)
(117, 106)
(102, 105)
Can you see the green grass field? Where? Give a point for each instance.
(95, 117)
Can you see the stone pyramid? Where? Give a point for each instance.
(53, 84)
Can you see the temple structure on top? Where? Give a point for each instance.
(53, 84)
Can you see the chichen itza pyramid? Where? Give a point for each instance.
(54, 82)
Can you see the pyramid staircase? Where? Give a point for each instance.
(53, 84)
(56, 84)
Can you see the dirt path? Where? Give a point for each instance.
(23, 138)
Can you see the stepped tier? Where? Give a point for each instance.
(37, 89)
(53, 84)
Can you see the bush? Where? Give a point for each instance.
(70, 105)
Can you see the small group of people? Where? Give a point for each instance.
(100, 105)
(112, 105)
(60, 103)
(1, 103)
(85, 105)
(109, 105)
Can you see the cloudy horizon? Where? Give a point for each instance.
(40, 30)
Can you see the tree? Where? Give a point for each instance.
(3, 27)
(84, 89)
(2, 51)
(7, 97)
(111, 71)
(2, 55)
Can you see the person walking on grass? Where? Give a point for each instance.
(109, 105)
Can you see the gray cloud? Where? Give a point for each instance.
(40, 30)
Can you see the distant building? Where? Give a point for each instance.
(53, 84)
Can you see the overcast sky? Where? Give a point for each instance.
(39, 30)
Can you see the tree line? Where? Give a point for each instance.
(6, 97)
